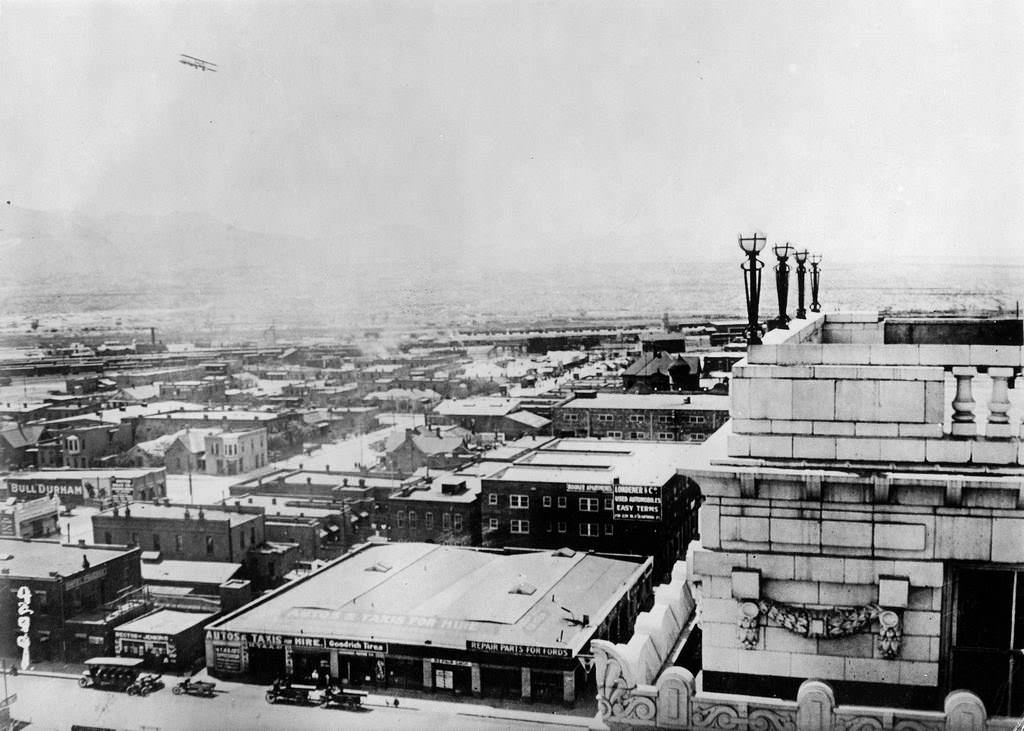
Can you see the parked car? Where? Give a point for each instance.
(110, 673)
(285, 691)
(343, 698)
(145, 684)
(194, 687)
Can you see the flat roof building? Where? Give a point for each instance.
(663, 417)
(604, 495)
(72, 596)
(439, 618)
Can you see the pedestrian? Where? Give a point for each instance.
(316, 677)
(396, 703)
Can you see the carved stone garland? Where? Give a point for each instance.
(824, 623)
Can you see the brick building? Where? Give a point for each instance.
(235, 534)
(182, 532)
(438, 447)
(659, 371)
(618, 497)
(60, 603)
(206, 391)
(151, 426)
(445, 509)
(663, 417)
(490, 414)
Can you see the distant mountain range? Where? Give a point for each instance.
(191, 269)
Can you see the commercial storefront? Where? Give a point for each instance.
(165, 639)
(473, 622)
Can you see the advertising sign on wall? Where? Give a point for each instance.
(69, 491)
(636, 502)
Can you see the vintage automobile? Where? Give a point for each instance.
(346, 698)
(285, 691)
(110, 673)
(145, 684)
(194, 687)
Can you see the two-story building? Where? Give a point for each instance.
(60, 603)
(235, 452)
(662, 417)
(443, 509)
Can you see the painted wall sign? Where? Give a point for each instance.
(219, 635)
(587, 487)
(227, 658)
(521, 650)
(77, 581)
(69, 491)
(456, 663)
(257, 639)
(636, 502)
(121, 485)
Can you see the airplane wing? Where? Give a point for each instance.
(197, 62)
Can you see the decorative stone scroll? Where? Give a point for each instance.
(830, 623)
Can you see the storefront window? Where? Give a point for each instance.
(444, 679)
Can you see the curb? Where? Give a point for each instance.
(554, 720)
(46, 674)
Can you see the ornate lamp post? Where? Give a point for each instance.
(815, 277)
(801, 270)
(782, 282)
(752, 267)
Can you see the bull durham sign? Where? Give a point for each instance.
(69, 491)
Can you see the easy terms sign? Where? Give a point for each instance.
(636, 502)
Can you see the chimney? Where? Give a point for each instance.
(81, 542)
(152, 335)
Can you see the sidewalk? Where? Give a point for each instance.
(546, 714)
(482, 711)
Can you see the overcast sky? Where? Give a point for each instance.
(638, 129)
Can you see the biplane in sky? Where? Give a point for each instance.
(197, 63)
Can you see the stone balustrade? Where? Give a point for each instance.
(832, 389)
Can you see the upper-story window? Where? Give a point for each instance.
(519, 501)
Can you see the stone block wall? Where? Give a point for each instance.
(807, 394)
